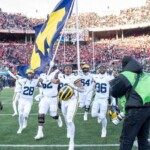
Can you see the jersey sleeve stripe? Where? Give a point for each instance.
(76, 81)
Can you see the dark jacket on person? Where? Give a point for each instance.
(121, 86)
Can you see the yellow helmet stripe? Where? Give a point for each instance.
(69, 95)
(63, 93)
(60, 94)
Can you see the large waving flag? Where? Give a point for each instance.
(46, 35)
(50, 30)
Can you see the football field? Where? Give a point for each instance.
(87, 136)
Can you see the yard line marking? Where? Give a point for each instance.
(34, 114)
(59, 145)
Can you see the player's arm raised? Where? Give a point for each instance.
(10, 73)
(55, 79)
(39, 84)
(78, 85)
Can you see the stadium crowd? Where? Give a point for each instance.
(105, 51)
(86, 20)
(14, 53)
(105, 57)
(124, 17)
(17, 21)
(108, 50)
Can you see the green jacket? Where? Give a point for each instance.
(121, 86)
(142, 88)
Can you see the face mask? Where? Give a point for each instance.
(85, 70)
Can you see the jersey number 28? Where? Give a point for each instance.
(28, 90)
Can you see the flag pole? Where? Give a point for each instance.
(60, 37)
(64, 50)
(93, 50)
(77, 36)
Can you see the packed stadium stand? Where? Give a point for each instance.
(17, 38)
(17, 21)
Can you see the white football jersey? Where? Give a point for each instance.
(86, 81)
(49, 89)
(102, 85)
(28, 87)
(69, 80)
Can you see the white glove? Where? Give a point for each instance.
(6, 68)
(56, 71)
(51, 64)
(38, 97)
(118, 119)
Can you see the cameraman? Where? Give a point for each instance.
(132, 87)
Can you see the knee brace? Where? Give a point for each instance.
(55, 117)
(41, 118)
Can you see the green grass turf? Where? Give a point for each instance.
(86, 132)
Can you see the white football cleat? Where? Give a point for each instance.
(59, 121)
(71, 145)
(85, 118)
(39, 136)
(15, 114)
(103, 135)
(19, 130)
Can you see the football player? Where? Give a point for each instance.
(48, 102)
(17, 90)
(28, 85)
(100, 102)
(42, 76)
(86, 97)
(69, 106)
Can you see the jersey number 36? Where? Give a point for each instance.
(101, 88)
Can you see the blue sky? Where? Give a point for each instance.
(44, 7)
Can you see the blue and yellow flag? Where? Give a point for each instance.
(47, 35)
